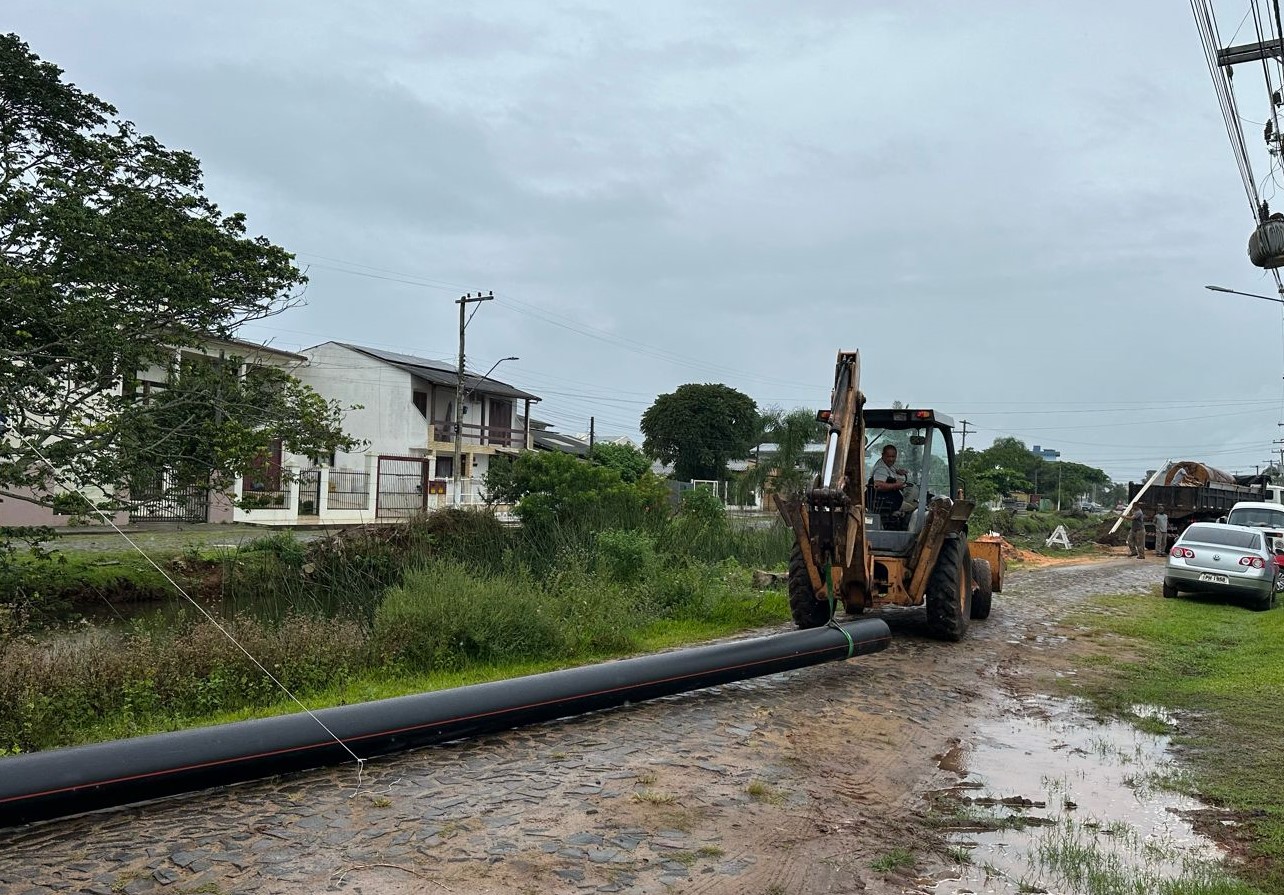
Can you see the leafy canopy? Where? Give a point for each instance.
(698, 428)
(1008, 465)
(784, 465)
(112, 260)
(625, 459)
(550, 486)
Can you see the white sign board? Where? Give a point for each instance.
(1060, 536)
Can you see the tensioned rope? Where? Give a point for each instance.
(72, 486)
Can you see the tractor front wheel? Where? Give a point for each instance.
(808, 612)
(949, 592)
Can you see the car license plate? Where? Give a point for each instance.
(1213, 579)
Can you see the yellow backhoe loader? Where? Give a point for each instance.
(899, 541)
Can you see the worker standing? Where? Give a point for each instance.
(1161, 531)
(1137, 535)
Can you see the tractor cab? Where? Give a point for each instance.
(923, 447)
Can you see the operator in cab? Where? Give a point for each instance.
(887, 483)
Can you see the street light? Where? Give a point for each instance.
(459, 428)
(1278, 301)
(485, 375)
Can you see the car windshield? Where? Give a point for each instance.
(1223, 537)
(1264, 517)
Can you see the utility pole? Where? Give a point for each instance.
(963, 432)
(592, 432)
(457, 469)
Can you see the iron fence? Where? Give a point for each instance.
(349, 489)
(155, 499)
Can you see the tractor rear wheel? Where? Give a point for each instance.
(808, 612)
(949, 592)
(983, 595)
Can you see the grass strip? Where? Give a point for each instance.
(1220, 667)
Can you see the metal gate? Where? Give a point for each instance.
(155, 500)
(310, 492)
(401, 490)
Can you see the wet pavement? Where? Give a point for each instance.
(794, 782)
(1049, 798)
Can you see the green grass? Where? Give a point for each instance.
(154, 679)
(452, 599)
(1074, 854)
(47, 587)
(896, 859)
(1222, 668)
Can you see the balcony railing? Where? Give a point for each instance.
(475, 433)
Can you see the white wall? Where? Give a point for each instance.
(388, 419)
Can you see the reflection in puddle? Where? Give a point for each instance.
(1054, 801)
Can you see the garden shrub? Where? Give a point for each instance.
(446, 615)
(625, 557)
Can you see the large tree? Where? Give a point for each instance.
(112, 260)
(1008, 465)
(698, 428)
(625, 459)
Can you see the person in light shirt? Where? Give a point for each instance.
(1161, 531)
(888, 482)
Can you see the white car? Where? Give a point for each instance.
(1269, 517)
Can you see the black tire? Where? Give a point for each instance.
(808, 612)
(1266, 602)
(982, 589)
(1170, 590)
(949, 593)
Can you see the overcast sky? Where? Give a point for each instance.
(1011, 213)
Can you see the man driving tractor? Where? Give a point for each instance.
(888, 483)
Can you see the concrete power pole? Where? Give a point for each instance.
(457, 468)
(592, 432)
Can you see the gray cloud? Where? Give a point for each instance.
(1011, 213)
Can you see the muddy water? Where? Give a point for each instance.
(1046, 799)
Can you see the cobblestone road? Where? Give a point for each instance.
(791, 783)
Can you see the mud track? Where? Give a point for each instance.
(796, 783)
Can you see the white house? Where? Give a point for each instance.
(405, 417)
(156, 501)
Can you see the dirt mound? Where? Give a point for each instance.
(1014, 555)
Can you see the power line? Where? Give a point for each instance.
(552, 318)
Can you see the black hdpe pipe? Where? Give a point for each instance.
(62, 782)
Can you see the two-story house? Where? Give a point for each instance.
(157, 500)
(405, 415)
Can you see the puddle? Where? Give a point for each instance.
(1050, 800)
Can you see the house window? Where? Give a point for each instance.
(445, 467)
(420, 400)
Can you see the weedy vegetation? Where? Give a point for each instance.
(449, 599)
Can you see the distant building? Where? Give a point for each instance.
(1045, 453)
(543, 438)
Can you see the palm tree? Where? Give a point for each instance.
(786, 466)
